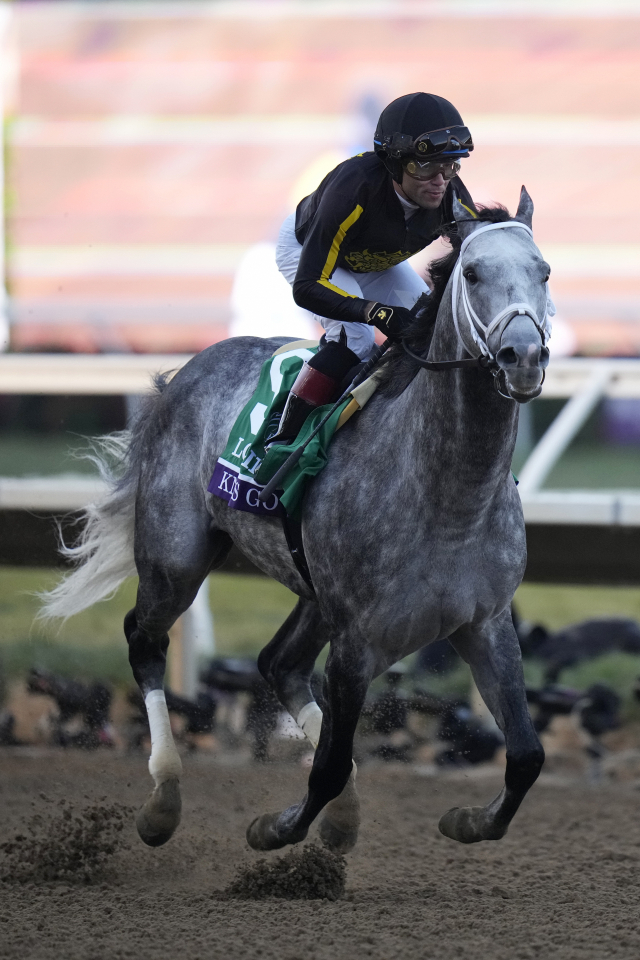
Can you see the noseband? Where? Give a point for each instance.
(482, 333)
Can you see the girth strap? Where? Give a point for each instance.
(293, 534)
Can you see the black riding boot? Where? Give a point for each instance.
(317, 383)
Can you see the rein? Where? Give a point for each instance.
(445, 364)
(480, 331)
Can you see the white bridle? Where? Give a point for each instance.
(480, 331)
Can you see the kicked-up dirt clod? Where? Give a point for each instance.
(312, 873)
(72, 844)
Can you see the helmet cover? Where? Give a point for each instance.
(406, 119)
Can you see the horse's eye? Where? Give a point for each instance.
(470, 276)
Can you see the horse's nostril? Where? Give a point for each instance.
(544, 357)
(507, 357)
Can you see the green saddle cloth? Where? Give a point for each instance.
(245, 467)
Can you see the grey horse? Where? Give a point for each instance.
(413, 532)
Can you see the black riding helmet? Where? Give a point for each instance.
(420, 125)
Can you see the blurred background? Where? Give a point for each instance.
(151, 151)
(149, 147)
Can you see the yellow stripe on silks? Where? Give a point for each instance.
(330, 265)
(468, 209)
(331, 286)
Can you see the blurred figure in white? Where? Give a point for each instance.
(563, 341)
(278, 314)
(198, 640)
(5, 331)
(9, 72)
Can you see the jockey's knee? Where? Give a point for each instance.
(360, 336)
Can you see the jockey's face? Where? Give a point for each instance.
(428, 194)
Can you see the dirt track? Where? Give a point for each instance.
(564, 884)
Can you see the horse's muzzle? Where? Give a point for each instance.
(523, 361)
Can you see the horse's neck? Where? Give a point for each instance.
(464, 430)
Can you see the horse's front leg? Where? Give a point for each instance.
(493, 654)
(348, 674)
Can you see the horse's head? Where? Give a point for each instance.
(499, 298)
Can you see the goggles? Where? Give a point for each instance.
(429, 169)
(450, 141)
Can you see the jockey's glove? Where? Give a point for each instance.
(392, 321)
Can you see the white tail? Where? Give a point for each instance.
(103, 556)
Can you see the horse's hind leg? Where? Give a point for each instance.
(286, 663)
(494, 657)
(347, 677)
(173, 559)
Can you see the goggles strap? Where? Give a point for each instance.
(462, 145)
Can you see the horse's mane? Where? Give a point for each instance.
(397, 370)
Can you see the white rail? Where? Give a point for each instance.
(69, 492)
(125, 373)
(62, 493)
(563, 429)
(584, 381)
(588, 508)
(84, 374)
(570, 375)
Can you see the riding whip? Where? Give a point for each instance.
(291, 461)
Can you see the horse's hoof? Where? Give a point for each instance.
(469, 825)
(337, 839)
(262, 833)
(340, 823)
(160, 815)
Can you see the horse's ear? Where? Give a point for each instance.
(464, 216)
(524, 212)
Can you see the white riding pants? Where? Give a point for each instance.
(398, 286)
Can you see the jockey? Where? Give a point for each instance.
(344, 248)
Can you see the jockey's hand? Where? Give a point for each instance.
(392, 321)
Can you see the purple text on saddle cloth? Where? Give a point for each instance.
(241, 494)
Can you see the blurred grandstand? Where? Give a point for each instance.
(150, 146)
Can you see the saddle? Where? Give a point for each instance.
(245, 466)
